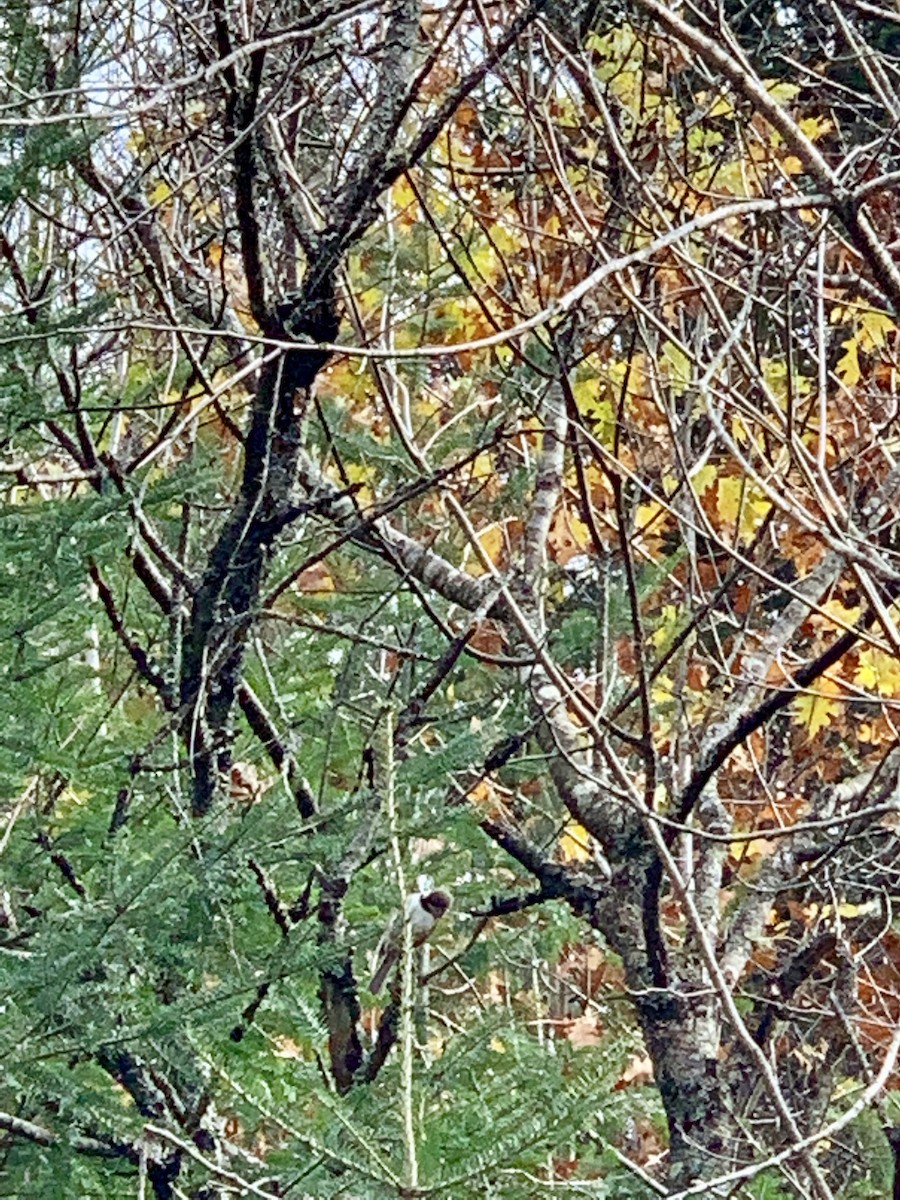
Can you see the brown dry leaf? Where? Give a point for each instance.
(316, 578)
(244, 786)
(438, 80)
(285, 1047)
(795, 911)
(262, 1143)
(765, 957)
(584, 1031)
(496, 989)
(489, 638)
(467, 115)
(638, 1073)
(642, 1142)
(625, 656)
(698, 677)
(587, 968)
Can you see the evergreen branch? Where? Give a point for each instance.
(94, 1147)
(281, 757)
(62, 864)
(134, 649)
(247, 1187)
(411, 715)
(273, 904)
(248, 1016)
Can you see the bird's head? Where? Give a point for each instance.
(436, 903)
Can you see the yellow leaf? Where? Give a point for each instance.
(504, 242)
(703, 479)
(849, 911)
(483, 259)
(667, 628)
(815, 127)
(815, 710)
(625, 85)
(874, 328)
(730, 491)
(575, 843)
(848, 369)
(568, 536)
(491, 541)
(679, 367)
(722, 107)
(775, 372)
(781, 91)
(482, 467)
(878, 671)
(160, 193)
(662, 691)
(404, 198)
(754, 849)
(587, 398)
(843, 615)
(363, 475)
(484, 794)
(650, 517)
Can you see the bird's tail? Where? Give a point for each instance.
(382, 971)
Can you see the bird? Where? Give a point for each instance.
(423, 911)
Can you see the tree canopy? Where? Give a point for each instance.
(450, 446)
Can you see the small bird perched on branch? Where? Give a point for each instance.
(423, 911)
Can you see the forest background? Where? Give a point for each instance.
(456, 441)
